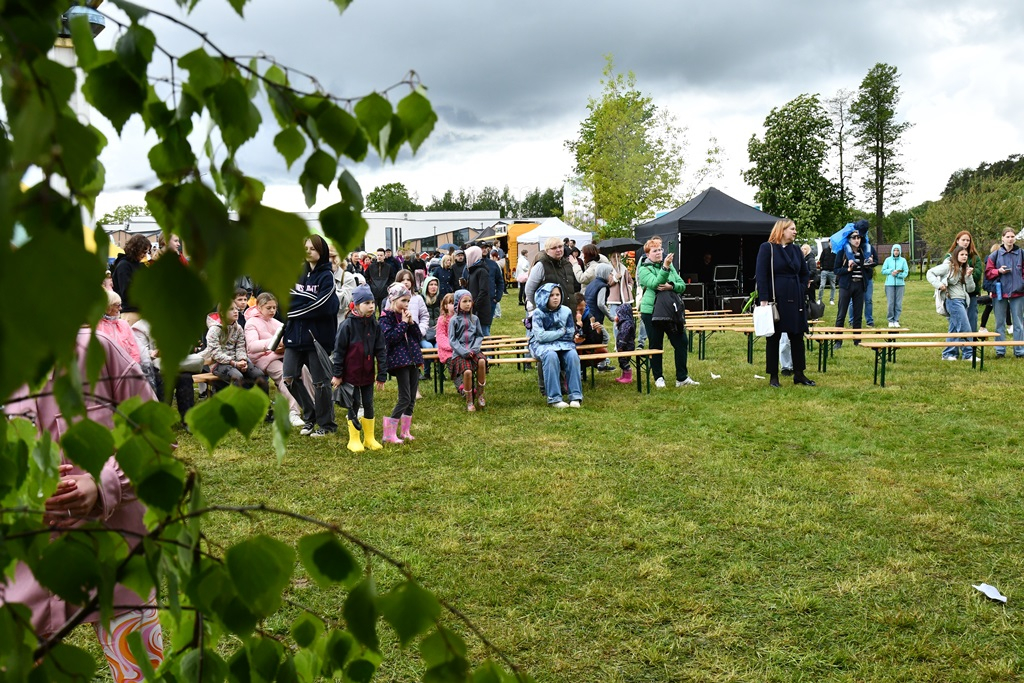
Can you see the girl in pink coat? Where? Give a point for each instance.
(261, 329)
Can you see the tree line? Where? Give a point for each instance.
(534, 204)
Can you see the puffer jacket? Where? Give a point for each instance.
(552, 330)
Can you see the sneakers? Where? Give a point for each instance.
(660, 382)
(688, 382)
(831, 303)
(949, 358)
(307, 430)
(296, 420)
(560, 404)
(318, 432)
(574, 404)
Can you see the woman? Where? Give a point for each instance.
(659, 275)
(585, 273)
(965, 240)
(955, 278)
(782, 278)
(125, 267)
(851, 263)
(443, 274)
(550, 267)
(312, 317)
(620, 287)
(481, 288)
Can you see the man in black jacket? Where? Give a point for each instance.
(379, 276)
(826, 265)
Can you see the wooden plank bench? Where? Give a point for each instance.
(828, 336)
(885, 351)
(640, 357)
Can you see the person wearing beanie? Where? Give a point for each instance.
(466, 339)
(480, 286)
(402, 338)
(358, 346)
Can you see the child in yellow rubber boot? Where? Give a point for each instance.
(359, 343)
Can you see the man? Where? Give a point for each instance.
(870, 261)
(460, 278)
(826, 265)
(380, 275)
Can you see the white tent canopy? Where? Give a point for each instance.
(553, 227)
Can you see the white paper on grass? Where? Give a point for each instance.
(990, 592)
(758, 377)
(714, 376)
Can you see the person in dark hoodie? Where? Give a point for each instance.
(125, 267)
(379, 275)
(480, 287)
(358, 344)
(312, 316)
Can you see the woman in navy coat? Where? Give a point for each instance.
(786, 284)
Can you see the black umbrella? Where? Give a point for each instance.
(615, 245)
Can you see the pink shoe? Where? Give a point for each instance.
(390, 429)
(406, 422)
(627, 377)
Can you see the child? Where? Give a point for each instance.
(551, 343)
(895, 270)
(588, 330)
(625, 335)
(359, 341)
(241, 302)
(432, 300)
(466, 335)
(402, 338)
(227, 356)
(444, 318)
(259, 333)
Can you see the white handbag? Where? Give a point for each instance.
(765, 317)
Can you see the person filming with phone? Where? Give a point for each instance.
(1005, 269)
(656, 275)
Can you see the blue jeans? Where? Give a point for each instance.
(828, 278)
(785, 352)
(972, 312)
(957, 309)
(555, 362)
(424, 344)
(1015, 307)
(894, 294)
(869, 293)
(486, 329)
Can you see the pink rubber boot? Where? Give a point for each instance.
(627, 377)
(406, 425)
(390, 429)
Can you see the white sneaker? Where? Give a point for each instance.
(307, 430)
(982, 329)
(296, 420)
(688, 382)
(660, 382)
(560, 404)
(831, 303)
(574, 404)
(953, 358)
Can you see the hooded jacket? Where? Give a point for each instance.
(596, 293)
(955, 288)
(892, 264)
(121, 275)
(464, 334)
(433, 307)
(552, 330)
(480, 286)
(1011, 283)
(359, 343)
(313, 310)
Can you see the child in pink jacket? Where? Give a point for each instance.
(261, 329)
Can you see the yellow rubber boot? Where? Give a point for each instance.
(368, 439)
(354, 444)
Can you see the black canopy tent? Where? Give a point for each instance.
(712, 223)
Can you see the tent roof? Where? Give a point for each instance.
(712, 212)
(486, 233)
(554, 227)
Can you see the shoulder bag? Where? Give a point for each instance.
(765, 317)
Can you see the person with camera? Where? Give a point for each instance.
(1005, 268)
(852, 262)
(782, 279)
(656, 275)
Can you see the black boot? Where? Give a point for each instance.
(773, 381)
(801, 378)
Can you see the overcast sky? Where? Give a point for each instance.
(510, 81)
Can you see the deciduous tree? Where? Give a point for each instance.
(391, 197)
(790, 163)
(121, 214)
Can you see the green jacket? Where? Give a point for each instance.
(650, 275)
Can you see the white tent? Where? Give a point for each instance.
(553, 227)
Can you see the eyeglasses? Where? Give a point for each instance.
(854, 237)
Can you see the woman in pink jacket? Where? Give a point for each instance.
(261, 329)
(79, 498)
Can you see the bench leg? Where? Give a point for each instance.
(877, 351)
(647, 372)
(750, 348)
(593, 371)
(981, 362)
(883, 371)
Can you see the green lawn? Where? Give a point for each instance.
(725, 532)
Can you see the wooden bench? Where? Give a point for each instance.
(827, 338)
(641, 358)
(885, 351)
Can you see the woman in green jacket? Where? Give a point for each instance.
(656, 275)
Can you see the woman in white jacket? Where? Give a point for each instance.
(954, 277)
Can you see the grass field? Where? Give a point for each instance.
(726, 532)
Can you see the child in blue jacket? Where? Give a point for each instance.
(551, 343)
(895, 269)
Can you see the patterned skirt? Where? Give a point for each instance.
(458, 364)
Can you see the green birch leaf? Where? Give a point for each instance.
(362, 669)
(275, 245)
(238, 6)
(337, 127)
(238, 118)
(264, 657)
(337, 648)
(260, 569)
(31, 129)
(418, 118)
(291, 144)
(115, 92)
(136, 12)
(374, 113)
(351, 193)
(282, 427)
(410, 610)
(203, 666)
(66, 663)
(80, 146)
(306, 629)
(52, 569)
(175, 328)
(342, 5)
(491, 672)
(204, 71)
(67, 390)
(360, 612)
(442, 646)
(454, 671)
(344, 225)
(134, 50)
(82, 38)
(95, 359)
(89, 445)
(141, 655)
(392, 137)
(327, 560)
(230, 408)
(319, 170)
(172, 159)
